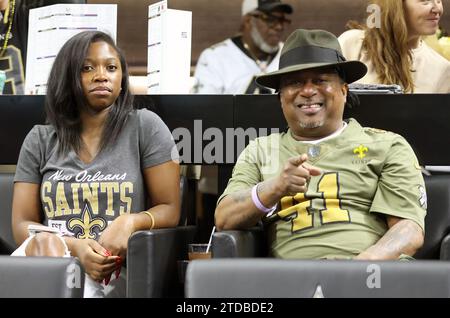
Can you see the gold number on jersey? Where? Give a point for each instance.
(329, 187)
(297, 208)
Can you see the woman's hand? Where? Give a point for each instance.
(115, 236)
(96, 260)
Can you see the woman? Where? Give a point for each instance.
(395, 52)
(89, 172)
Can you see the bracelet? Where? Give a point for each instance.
(152, 218)
(258, 203)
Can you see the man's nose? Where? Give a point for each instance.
(308, 89)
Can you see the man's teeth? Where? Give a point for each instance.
(311, 106)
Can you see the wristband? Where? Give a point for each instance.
(258, 203)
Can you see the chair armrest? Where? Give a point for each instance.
(152, 261)
(245, 243)
(5, 247)
(41, 277)
(445, 248)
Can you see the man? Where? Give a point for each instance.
(327, 188)
(230, 67)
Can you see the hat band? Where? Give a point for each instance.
(310, 54)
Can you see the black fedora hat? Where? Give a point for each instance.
(312, 49)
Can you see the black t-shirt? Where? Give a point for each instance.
(13, 61)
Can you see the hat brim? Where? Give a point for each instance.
(354, 70)
(283, 7)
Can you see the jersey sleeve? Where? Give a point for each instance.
(29, 162)
(401, 187)
(246, 172)
(155, 142)
(208, 74)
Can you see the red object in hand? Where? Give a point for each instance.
(119, 266)
(107, 279)
(118, 272)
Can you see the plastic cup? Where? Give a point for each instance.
(182, 267)
(198, 251)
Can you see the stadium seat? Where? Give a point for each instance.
(276, 278)
(7, 243)
(437, 221)
(41, 277)
(152, 261)
(152, 256)
(50, 277)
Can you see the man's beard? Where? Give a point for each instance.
(259, 41)
(311, 125)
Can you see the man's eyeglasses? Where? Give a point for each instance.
(272, 20)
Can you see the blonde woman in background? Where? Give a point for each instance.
(395, 52)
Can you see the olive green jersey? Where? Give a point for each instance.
(366, 174)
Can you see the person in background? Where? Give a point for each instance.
(395, 52)
(230, 67)
(90, 172)
(327, 188)
(13, 42)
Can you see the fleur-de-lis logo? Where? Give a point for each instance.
(86, 223)
(361, 150)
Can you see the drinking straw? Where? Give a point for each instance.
(210, 239)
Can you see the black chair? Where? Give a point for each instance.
(7, 243)
(152, 261)
(252, 243)
(437, 221)
(276, 278)
(50, 277)
(41, 277)
(152, 256)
